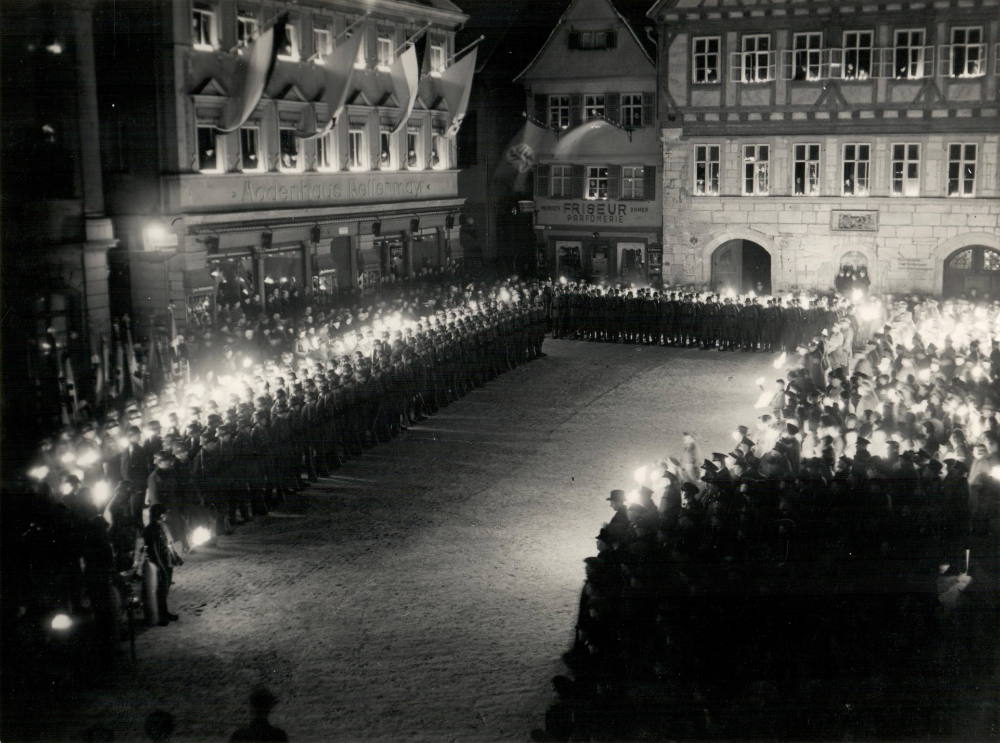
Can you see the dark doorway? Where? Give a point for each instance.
(972, 272)
(742, 266)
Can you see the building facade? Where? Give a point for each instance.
(210, 218)
(800, 136)
(597, 188)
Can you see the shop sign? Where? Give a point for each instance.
(236, 190)
(587, 212)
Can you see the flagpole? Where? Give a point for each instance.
(464, 49)
(412, 38)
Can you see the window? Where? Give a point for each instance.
(387, 153)
(857, 55)
(357, 157)
(593, 107)
(560, 180)
(962, 170)
(202, 28)
(361, 61)
(592, 40)
(633, 182)
(908, 55)
(706, 169)
(326, 151)
(597, 182)
(755, 59)
(385, 51)
(322, 42)
(441, 157)
(705, 62)
(856, 168)
(806, 172)
(906, 170)
(807, 62)
(414, 153)
(288, 47)
(559, 111)
(437, 59)
(250, 159)
(288, 145)
(208, 154)
(631, 110)
(755, 167)
(247, 29)
(967, 52)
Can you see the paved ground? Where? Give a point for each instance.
(427, 591)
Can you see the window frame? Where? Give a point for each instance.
(212, 44)
(953, 46)
(592, 183)
(855, 161)
(588, 106)
(386, 136)
(326, 149)
(437, 66)
(300, 160)
(756, 55)
(292, 35)
(243, 19)
(963, 162)
(359, 163)
(634, 108)
(713, 170)
(706, 54)
(633, 185)
(806, 161)
(415, 132)
(809, 51)
(261, 162)
(564, 178)
(562, 108)
(908, 49)
(905, 161)
(755, 171)
(384, 43)
(219, 166)
(857, 49)
(318, 33)
(441, 150)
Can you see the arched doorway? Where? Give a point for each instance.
(741, 265)
(973, 270)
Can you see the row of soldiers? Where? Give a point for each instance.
(244, 449)
(690, 319)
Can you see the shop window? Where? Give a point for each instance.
(251, 160)
(857, 53)
(357, 155)
(706, 170)
(857, 167)
(807, 170)
(962, 170)
(247, 29)
(203, 33)
(208, 153)
(755, 170)
(234, 276)
(906, 170)
(705, 59)
(291, 157)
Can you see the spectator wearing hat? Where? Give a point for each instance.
(159, 568)
(619, 529)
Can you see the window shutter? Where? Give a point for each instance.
(542, 180)
(614, 182)
(574, 39)
(577, 182)
(542, 108)
(612, 39)
(575, 110)
(648, 114)
(612, 107)
(649, 183)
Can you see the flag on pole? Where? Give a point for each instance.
(134, 372)
(338, 69)
(405, 73)
(119, 365)
(253, 70)
(455, 85)
(521, 156)
(100, 374)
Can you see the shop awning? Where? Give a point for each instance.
(325, 265)
(199, 282)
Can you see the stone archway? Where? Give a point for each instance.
(952, 245)
(765, 242)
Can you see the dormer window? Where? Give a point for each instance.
(605, 39)
(437, 60)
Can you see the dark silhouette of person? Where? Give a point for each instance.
(159, 725)
(259, 730)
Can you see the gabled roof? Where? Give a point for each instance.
(211, 86)
(646, 47)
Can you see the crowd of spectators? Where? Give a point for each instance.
(831, 573)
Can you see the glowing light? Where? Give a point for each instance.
(100, 494)
(640, 474)
(924, 375)
(65, 488)
(632, 496)
(67, 458)
(780, 361)
(61, 622)
(868, 312)
(856, 295)
(122, 442)
(247, 362)
(977, 373)
(759, 381)
(38, 473)
(995, 472)
(199, 536)
(54, 48)
(504, 295)
(762, 401)
(197, 389)
(155, 233)
(88, 458)
(563, 281)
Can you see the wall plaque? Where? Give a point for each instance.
(854, 221)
